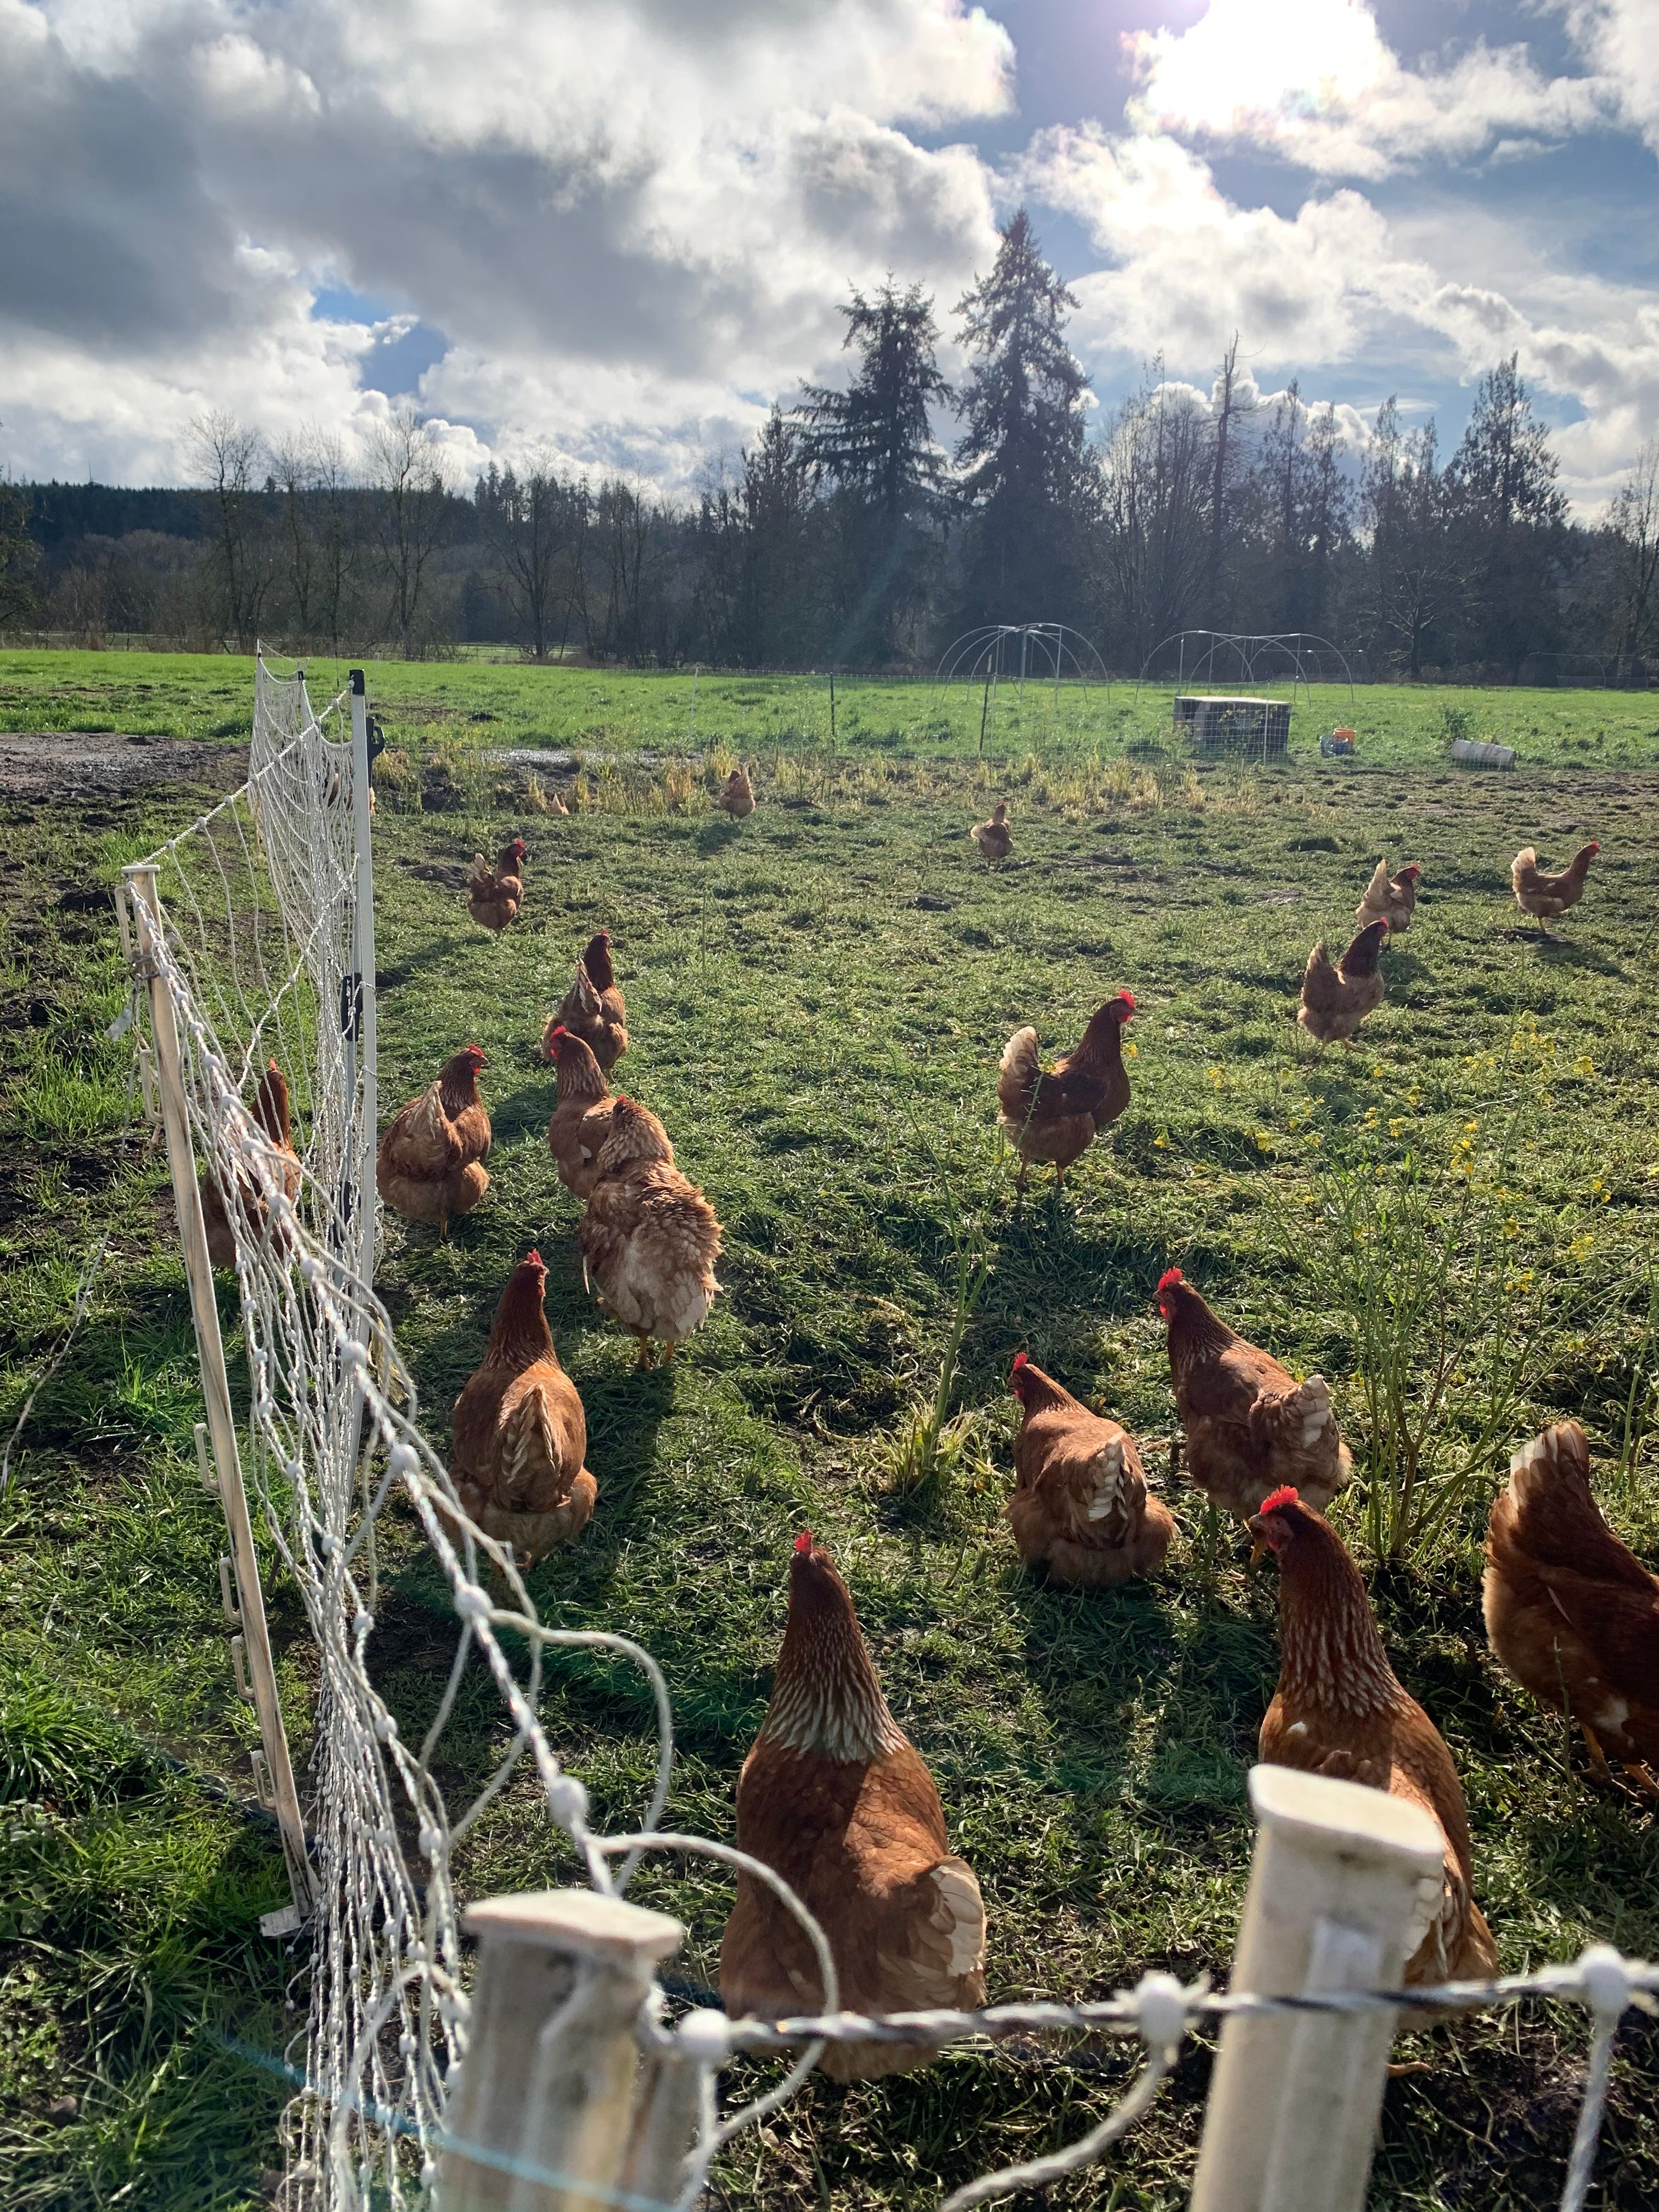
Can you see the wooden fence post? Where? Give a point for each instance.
(221, 1424)
(1335, 1882)
(543, 2116)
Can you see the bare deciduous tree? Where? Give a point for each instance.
(231, 458)
(1633, 521)
(407, 519)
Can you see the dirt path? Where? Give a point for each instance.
(67, 763)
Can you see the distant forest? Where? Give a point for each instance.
(850, 535)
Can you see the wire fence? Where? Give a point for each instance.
(243, 948)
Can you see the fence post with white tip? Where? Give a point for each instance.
(1336, 1885)
(225, 1460)
(549, 2101)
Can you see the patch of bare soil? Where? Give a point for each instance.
(74, 763)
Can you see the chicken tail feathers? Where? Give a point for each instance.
(1523, 868)
(1019, 1071)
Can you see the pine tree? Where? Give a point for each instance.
(1026, 473)
(874, 443)
(1513, 514)
(875, 438)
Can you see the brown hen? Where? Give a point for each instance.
(520, 1435)
(581, 1119)
(592, 1008)
(1336, 999)
(1080, 1501)
(494, 896)
(737, 794)
(1542, 896)
(1250, 1425)
(993, 838)
(649, 1238)
(1058, 1116)
(430, 1166)
(1569, 1612)
(1339, 1709)
(835, 1797)
(270, 1115)
(1390, 899)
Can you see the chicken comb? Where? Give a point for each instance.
(532, 1258)
(558, 1033)
(803, 1543)
(1127, 998)
(1169, 1279)
(1020, 1363)
(1284, 1495)
(1595, 845)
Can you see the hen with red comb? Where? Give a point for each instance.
(1055, 1116)
(835, 1798)
(1251, 1428)
(1390, 899)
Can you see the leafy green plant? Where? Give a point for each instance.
(1455, 721)
(1445, 1325)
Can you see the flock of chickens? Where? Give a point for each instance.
(833, 1795)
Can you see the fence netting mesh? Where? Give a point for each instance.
(252, 938)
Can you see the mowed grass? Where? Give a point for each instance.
(490, 700)
(817, 1001)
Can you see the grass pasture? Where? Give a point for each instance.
(816, 999)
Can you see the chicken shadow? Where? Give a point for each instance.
(1095, 1657)
(713, 837)
(1566, 952)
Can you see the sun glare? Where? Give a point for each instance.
(1261, 56)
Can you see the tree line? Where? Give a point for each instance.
(869, 522)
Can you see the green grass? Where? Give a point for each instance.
(483, 703)
(817, 1001)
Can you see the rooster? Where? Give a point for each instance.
(835, 1798)
(270, 1115)
(1336, 999)
(1544, 896)
(592, 1008)
(736, 796)
(1569, 1613)
(519, 1435)
(649, 1238)
(1339, 1709)
(1393, 900)
(430, 1166)
(581, 1119)
(494, 896)
(1058, 1116)
(1080, 1501)
(1250, 1425)
(993, 837)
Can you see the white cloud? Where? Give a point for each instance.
(1315, 82)
(645, 206)
(1620, 39)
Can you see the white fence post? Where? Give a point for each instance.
(215, 1392)
(365, 1026)
(542, 2117)
(1335, 1885)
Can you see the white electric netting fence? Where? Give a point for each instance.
(251, 941)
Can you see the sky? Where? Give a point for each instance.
(612, 232)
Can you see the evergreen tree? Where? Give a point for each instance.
(874, 443)
(875, 437)
(1026, 475)
(1513, 514)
